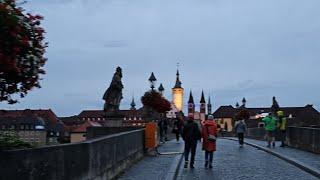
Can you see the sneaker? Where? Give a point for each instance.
(274, 144)
(210, 166)
(206, 164)
(191, 166)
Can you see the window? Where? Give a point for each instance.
(134, 118)
(98, 119)
(31, 127)
(12, 127)
(22, 127)
(125, 118)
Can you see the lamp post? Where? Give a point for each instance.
(152, 81)
(161, 89)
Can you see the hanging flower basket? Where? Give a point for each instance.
(22, 49)
(156, 101)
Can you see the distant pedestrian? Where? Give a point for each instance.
(163, 126)
(270, 127)
(209, 135)
(177, 127)
(240, 130)
(191, 134)
(282, 125)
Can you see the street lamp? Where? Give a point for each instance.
(152, 81)
(161, 89)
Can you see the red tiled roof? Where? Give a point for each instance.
(303, 115)
(225, 112)
(47, 114)
(83, 127)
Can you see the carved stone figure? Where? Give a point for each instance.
(113, 95)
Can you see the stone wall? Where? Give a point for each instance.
(259, 134)
(100, 158)
(94, 132)
(304, 138)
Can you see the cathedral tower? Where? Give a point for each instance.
(191, 106)
(209, 106)
(177, 93)
(202, 108)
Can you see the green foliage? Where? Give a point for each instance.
(10, 141)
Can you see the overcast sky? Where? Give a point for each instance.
(229, 48)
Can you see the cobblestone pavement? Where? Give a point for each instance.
(232, 162)
(154, 167)
(310, 159)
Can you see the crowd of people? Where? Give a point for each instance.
(206, 132)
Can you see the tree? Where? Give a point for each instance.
(156, 101)
(21, 51)
(9, 141)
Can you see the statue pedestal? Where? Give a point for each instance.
(114, 119)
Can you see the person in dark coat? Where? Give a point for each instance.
(163, 127)
(177, 126)
(191, 134)
(209, 128)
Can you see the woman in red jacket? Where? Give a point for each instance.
(209, 135)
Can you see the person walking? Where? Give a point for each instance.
(177, 126)
(162, 124)
(209, 135)
(282, 125)
(191, 134)
(240, 130)
(270, 127)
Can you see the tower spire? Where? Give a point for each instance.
(178, 82)
(202, 98)
(191, 101)
(133, 104)
(191, 106)
(209, 106)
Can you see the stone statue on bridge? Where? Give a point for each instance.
(113, 95)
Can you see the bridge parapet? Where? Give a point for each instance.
(304, 138)
(100, 158)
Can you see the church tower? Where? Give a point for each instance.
(209, 106)
(177, 93)
(202, 108)
(133, 104)
(191, 106)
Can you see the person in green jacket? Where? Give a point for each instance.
(282, 125)
(270, 127)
